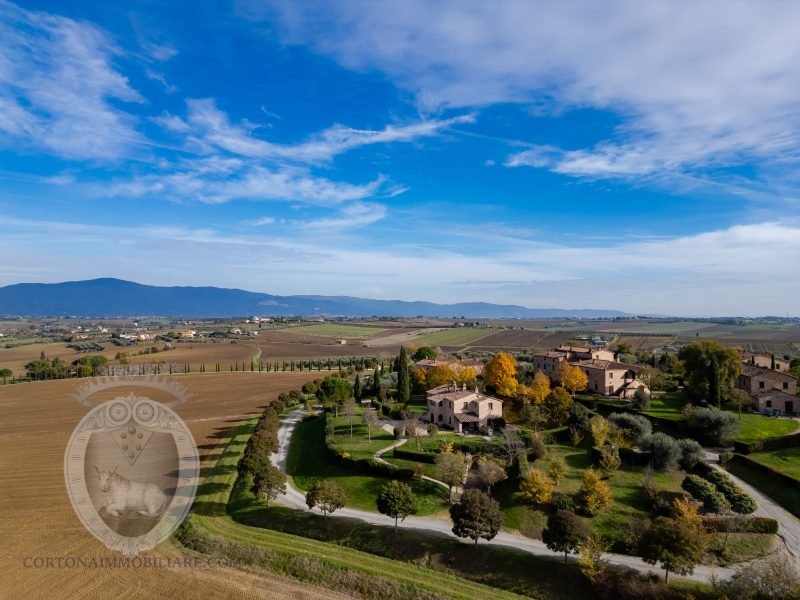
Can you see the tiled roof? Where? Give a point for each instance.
(551, 354)
(466, 418)
(750, 370)
(573, 349)
(598, 363)
(775, 394)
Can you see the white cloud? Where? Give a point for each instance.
(261, 221)
(57, 83)
(697, 84)
(352, 216)
(741, 270)
(210, 129)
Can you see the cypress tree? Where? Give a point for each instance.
(403, 384)
(357, 388)
(376, 383)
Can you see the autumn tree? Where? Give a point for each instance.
(573, 379)
(501, 374)
(539, 388)
(450, 467)
(419, 380)
(564, 532)
(327, 495)
(491, 474)
(439, 375)
(396, 500)
(467, 377)
(537, 487)
(556, 406)
(476, 516)
(671, 543)
(591, 550)
(594, 494)
(556, 469)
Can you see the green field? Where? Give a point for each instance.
(452, 337)
(308, 461)
(337, 330)
(786, 461)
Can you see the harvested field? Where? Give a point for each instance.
(38, 521)
(338, 330)
(454, 337)
(16, 358)
(197, 353)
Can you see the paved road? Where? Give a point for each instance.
(443, 527)
(788, 524)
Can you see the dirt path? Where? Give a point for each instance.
(443, 527)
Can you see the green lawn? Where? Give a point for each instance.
(754, 427)
(337, 330)
(358, 444)
(786, 496)
(786, 461)
(625, 486)
(308, 461)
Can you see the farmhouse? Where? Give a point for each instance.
(784, 403)
(579, 353)
(755, 380)
(611, 378)
(462, 409)
(768, 361)
(456, 365)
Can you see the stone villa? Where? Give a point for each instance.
(462, 410)
(770, 389)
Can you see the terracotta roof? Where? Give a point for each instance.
(573, 349)
(750, 370)
(466, 418)
(776, 394)
(551, 354)
(598, 363)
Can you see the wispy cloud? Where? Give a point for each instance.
(58, 85)
(697, 85)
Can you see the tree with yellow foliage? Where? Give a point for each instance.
(573, 379)
(467, 377)
(594, 494)
(419, 381)
(540, 387)
(537, 487)
(439, 375)
(501, 374)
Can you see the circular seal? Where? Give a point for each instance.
(131, 468)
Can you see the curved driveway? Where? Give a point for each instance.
(442, 526)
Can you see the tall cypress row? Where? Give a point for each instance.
(403, 383)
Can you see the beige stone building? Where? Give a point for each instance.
(766, 361)
(461, 409)
(776, 400)
(755, 380)
(611, 378)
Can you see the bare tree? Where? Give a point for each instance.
(349, 409)
(412, 424)
(491, 473)
(511, 443)
(450, 468)
(371, 420)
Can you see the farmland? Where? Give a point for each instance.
(37, 421)
(338, 330)
(452, 337)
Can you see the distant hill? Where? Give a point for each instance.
(115, 297)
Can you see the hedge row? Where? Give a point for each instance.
(742, 524)
(370, 466)
(773, 443)
(425, 457)
(790, 483)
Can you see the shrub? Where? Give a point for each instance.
(664, 450)
(609, 461)
(715, 502)
(537, 487)
(594, 494)
(562, 501)
(556, 469)
(744, 524)
(740, 501)
(634, 427)
(538, 449)
(698, 487)
(691, 453)
(578, 417)
(712, 426)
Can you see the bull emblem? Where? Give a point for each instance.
(126, 496)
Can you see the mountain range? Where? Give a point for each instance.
(108, 297)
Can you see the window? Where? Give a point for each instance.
(611, 376)
(491, 405)
(786, 385)
(440, 418)
(761, 384)
(769, 403)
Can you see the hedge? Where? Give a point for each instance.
(772, 443)
(425, 457)
(743, 524)
(786, 481)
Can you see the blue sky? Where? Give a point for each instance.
(634, 156)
